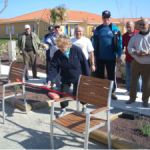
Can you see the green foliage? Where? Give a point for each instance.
(38, 96)
(18, 56)
(145, 129)
(16, 87)
(42, 55)
(54, 16)
(59, 14)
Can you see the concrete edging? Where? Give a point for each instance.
(116, 142)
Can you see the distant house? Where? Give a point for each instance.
(16, 24)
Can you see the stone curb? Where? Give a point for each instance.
(116, 142)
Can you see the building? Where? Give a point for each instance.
(40, 20)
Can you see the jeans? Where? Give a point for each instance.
(128, 78)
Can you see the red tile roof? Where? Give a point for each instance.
(73, 16)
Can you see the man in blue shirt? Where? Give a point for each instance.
(108, 49)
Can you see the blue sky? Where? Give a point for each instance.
(128, 8)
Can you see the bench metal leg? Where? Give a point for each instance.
(3, 104)
(108, 129)
(25, 102)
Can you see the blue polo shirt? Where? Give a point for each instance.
(105, 51)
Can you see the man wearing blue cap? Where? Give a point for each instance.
(107, 49)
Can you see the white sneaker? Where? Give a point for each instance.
(126, 93)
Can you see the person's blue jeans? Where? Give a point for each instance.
(128, 78)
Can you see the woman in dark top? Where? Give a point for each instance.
(72, 63)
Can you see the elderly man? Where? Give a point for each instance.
(29, 43)
(108, 49)
(50, 45)
(139, 49)
(85, 44)
(131, 31)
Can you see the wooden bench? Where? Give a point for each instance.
(92, 91)
(17, 71)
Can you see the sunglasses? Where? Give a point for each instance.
(142, 24)
(106, 17)
(56, 27)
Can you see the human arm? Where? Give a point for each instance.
(91, 54)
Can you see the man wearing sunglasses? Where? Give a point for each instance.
(139, 49)
(107, 49)
(50, 45)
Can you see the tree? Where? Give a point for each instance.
(63, 13)
(6, 4)
(54, 16)
(59, 14)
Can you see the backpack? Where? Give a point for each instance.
(116, 38)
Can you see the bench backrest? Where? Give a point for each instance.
(17, 71)
(94, 91)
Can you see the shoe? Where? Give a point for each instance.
(36, 77)
(129, 102)
(84, 110)
(145, 104)
(126, 93)
(62, 113)
(113, 96)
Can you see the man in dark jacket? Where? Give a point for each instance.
(131, 31)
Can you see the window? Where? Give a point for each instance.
(6, 30)
(46, 27)
(12, 29)
(32, 27)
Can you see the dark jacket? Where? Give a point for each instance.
(125, 40)
(71, 68)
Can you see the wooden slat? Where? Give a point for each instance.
(64, 98)
(93, 87)
(21, 66)
(91, 102)
(95, 83)
(77, 121)
(93, 91)
(13, 83)
(103, 101)
(91, 96)
(95, 79)
(98, 110)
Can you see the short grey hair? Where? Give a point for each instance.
(146, 20)
(79, 26)
(131, 22)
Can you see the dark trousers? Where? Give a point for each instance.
(111, 70)
(48, 59)
(32, 56)
(65, 89)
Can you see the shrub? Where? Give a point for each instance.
(42, 55)
(16, 87)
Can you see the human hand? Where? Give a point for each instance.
(44, 45)
(118, 60)
(48, 84)
(93, 68)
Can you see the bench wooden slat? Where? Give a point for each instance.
(78, 125)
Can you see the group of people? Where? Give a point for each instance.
(68, 58)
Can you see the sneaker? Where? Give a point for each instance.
(126, 93)
(62, 113)
(84, 110)
(145, 104)
(113, 96)
(129, 102)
